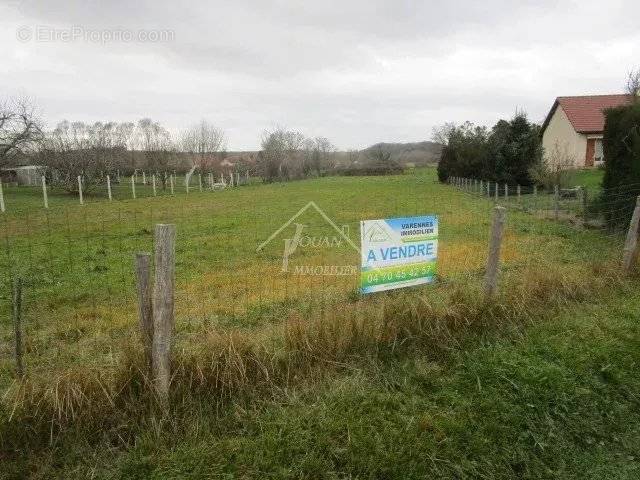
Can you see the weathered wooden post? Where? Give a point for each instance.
(556, 201)
(45, 198)
(144, 178)
(109, 188)
(210, 181)
(153, 184)
(247, 177)
(493, 260)
(163, 304)
(171, 183)
(133, 187)
(2, 207)
(631, 242)
(17, 324)
(186, 182)
(237, 178)
(80, 190)
(231, 179)
(145, 302)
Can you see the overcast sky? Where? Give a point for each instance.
(357, 72)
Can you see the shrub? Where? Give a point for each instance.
(621, 182)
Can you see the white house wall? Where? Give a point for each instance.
(560, 132)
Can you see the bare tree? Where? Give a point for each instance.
(157, 146)
(281, 157)
(204, 141)
(441, 133)
(77, 149)
(20, 129)
(633, 84)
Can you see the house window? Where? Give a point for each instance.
(598, 155)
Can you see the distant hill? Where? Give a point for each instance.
(410, 154)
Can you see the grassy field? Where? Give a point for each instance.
(288, 376)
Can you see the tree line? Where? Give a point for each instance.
(507, 153)
(95, 150)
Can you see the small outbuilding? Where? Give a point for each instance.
(28, 175)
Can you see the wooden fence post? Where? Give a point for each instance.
(144, 178)
(80, 189)
(493, 261)
(187, 178)
(153, 184)
(109, 187)
(171, 183)
(133, 187)
(145, 302)
(2, 208)
(631, 242)
(163, 303)
(17, 324)
(45, 198)
(556, 199)
(237, 178)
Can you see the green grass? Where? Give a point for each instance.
(589, 178)
(278, 376)
(558, 399)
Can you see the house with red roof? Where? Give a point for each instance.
(572, 131)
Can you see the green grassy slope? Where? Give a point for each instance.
(557, 400)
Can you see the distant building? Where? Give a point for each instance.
(575, 126)
(28, 175)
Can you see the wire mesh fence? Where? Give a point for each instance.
(250, 258)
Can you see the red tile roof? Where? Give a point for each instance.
(586, 112)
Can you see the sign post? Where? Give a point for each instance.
(398, 252)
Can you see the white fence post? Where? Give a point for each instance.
(109, 187)
(80, 189)
(186, 182)
(45, 199)
(144, 178)
(153, 184)
(133, 186)
(631, 242)
(171, 183)
(493, 261)
(210, 181)
(2, 207)
(237, 178)
(163, 308)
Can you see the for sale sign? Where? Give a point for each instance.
(398, 252)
